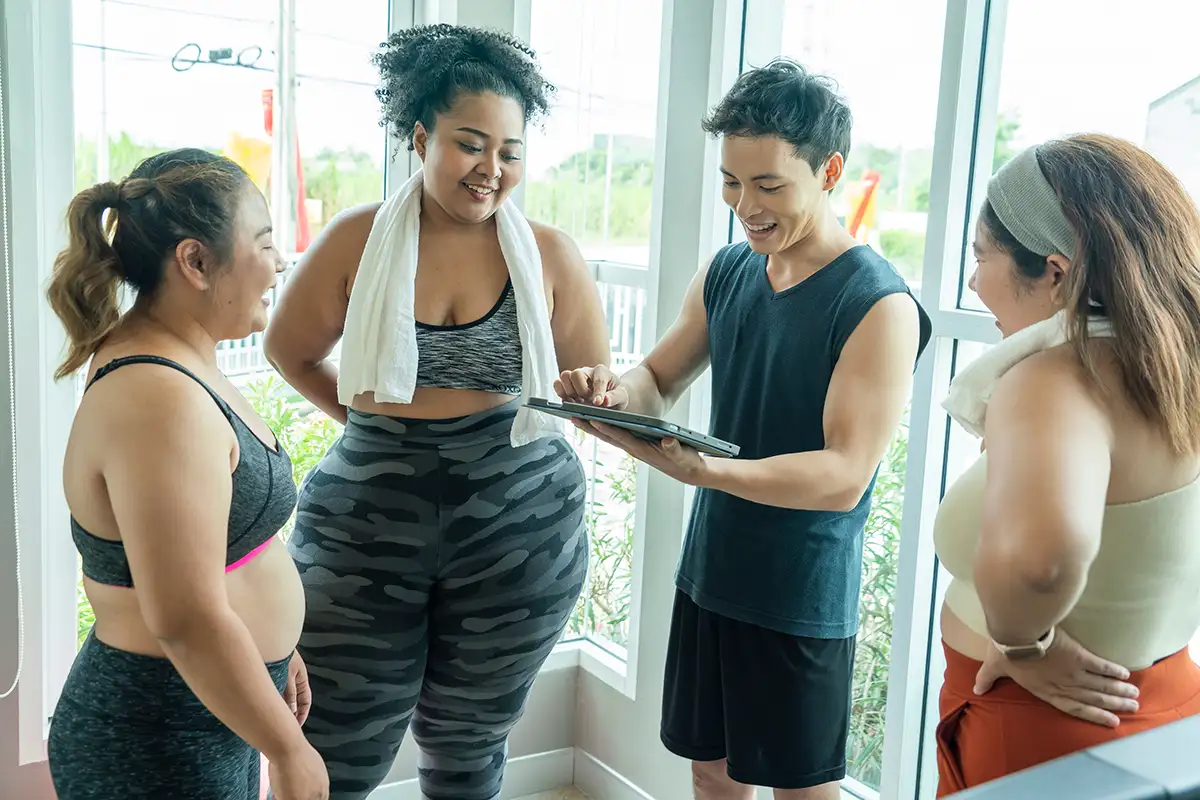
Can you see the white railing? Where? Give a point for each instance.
(622, 294)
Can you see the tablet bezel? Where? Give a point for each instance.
(646, 427)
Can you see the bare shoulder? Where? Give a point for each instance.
(895, 309)
(1052, 384)
(560, 254)
(148, 408)
(890, 325)
(349, 229)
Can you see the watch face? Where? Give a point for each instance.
(1025, 653)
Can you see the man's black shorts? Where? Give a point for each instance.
(776, 707)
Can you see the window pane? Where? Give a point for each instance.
(589, 168)
(883, 199)
(160, 74)
(1127, 75)
(589, 171)
(342, 146)
(962, 450)
(151, 76)
(156, 75)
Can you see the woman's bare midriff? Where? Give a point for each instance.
(265, 593)
(430, 403)
(960, 638)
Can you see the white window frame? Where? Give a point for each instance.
(666, 281)
(41, 137)
(38, 47)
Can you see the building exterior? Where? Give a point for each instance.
(1173, 133)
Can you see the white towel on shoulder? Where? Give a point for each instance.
(972, 388)
(379, 341)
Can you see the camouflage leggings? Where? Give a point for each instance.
(440, 566)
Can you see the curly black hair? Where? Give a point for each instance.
(424, 69)
(784, 99)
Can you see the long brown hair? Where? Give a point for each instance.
(1138, 259)
(123, 233)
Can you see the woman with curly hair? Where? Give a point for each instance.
(441, 540)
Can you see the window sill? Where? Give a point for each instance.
(595, 660)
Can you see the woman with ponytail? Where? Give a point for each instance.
(1073, 540)
(176, 490)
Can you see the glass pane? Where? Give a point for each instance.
(589, 167)
(1127, 75)
(160, 74)
(342, 150)
(589, 171)
(156, 75)
(872, 657)
(883, 200)
(342, 146)
(962, 450)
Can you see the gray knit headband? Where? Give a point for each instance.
(1026, 204)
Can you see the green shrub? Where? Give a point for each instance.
(906, 251)
(881, 547)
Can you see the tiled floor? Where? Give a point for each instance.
(559, 794)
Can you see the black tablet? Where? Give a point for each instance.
(649, 428)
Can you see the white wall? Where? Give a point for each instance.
(1172, 130)
(31, 782)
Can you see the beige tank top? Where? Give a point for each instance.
(1142, 599)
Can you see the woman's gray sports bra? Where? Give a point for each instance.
(484, 355)
(262, 501)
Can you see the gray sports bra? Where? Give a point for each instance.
(484, 355)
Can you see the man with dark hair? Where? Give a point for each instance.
(812, 339)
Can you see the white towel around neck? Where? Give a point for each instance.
(379, 341)
(972, 388)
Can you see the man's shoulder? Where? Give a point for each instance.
(726, 266)
(732, 256)
(872, 269)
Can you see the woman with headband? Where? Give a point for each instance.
(1072, 540)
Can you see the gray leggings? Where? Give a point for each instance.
(440, 566)
(127, 726)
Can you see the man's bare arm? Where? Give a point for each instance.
(655, 385)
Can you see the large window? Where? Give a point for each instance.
(1130, 75)
(589, 171)
(159, 74)
(883, 200)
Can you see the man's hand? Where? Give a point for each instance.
(297, 693)
(668, 456)
(595, 386)
(1069, 678)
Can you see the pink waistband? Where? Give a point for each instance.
(246, 559)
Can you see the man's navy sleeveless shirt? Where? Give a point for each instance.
(772, 356)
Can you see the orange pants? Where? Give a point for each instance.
(981, 738)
